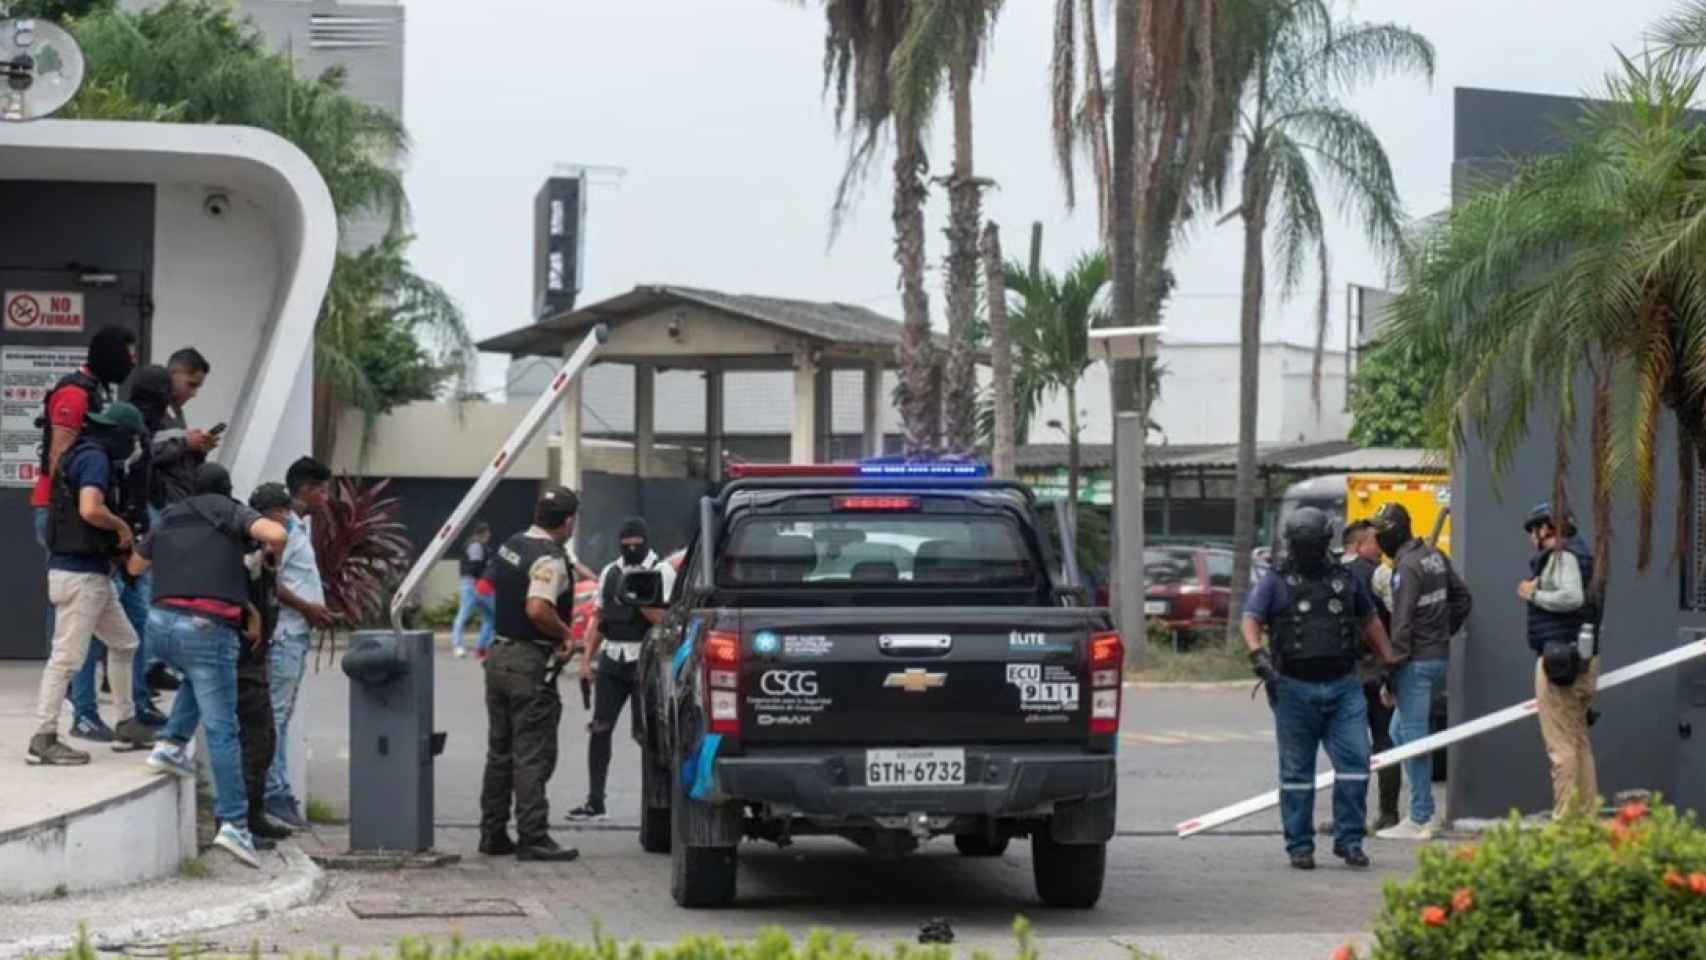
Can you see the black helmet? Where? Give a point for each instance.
(1308, 536)
(1392, 528)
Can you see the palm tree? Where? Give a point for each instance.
(860, 40)
(1592, 261)
(1051, 317)
(945, 39)
(1003, 433)
(1294, 127)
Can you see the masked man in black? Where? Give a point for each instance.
(1318, 618)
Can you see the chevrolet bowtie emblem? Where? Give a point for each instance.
(916, 680)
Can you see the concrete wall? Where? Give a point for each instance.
(1199, 397)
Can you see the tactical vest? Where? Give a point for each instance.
(67, 531)
(1545, 626)
(193, 558)
(94, 389)
(619, 622)
(1319, 626)
(510, 574)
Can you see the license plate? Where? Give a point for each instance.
(915, 768)
(1155, 607)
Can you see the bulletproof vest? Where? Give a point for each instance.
(194, 558)
(510, 573)
(67, 531)
(96, 391)
(619, 622)
(1319, 625)
(1545, 626)
(470, 568)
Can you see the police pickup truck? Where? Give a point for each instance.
(882, 652)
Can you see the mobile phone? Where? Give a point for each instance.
(218, 429)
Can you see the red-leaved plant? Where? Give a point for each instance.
(362, 550)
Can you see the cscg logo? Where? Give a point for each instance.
(789, 683)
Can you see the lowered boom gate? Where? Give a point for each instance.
(392, 741)
(1463, 731)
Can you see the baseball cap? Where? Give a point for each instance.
(120, 414)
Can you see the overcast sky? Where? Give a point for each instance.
(714, 109)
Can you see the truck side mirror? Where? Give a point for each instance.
(641, 588)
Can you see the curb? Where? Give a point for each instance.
(302, 884)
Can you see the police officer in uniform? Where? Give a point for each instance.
(534, 597)
(1318, 618)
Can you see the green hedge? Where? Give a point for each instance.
(1629, 888)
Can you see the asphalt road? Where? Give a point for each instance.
(1183, 752)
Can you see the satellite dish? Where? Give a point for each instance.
(40, 68)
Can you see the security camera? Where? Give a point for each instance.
(216, 204)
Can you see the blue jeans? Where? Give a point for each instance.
(1307, 717)
(1415, 683)
(285, 665)
(205, 652)
(468, 602)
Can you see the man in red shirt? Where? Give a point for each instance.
(111, 358)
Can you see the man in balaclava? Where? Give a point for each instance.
(613, 641)
(1429, 604)
(1318, 618)
(86, 539)
(84, 391)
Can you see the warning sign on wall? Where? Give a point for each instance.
(43, 311)
(26, 375)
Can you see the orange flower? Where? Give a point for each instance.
(1344, 952)
(1433, 916)
(1697, 883)
(1463, 900)
(1675, 880)
(1619, 833)
(1466, 853)
(1632, 812)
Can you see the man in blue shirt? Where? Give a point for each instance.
(302, 609)
(1318, 618)
(84, 539)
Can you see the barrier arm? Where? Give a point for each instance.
(1459, 733)
(489, 477)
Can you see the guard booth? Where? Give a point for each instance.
(220, 238)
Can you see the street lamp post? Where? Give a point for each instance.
(1128, 343)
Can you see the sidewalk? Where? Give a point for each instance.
(210, 893)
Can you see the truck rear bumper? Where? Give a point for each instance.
(999, 783)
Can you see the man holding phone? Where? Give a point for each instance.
(177, 450)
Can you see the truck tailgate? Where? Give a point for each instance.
(913, 675)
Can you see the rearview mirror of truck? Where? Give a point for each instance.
(641, 588)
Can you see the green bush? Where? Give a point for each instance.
(1631, 888)
(771, 944)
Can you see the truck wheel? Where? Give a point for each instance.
(1067, 875)
(978, 845)
(654, 821)
(699, 876)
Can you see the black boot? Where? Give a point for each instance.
(498, 846)
(1303, 860)
(266, 828)
(546, 851)
(1390, 786)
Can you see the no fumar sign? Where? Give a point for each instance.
(42, 311)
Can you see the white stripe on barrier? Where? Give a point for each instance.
(1428, 744)
(489, 477)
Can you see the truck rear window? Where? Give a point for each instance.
(876, 550)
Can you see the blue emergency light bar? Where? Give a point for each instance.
(875, 469)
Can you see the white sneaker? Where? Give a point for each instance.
(461, 653)
(169, 758)
(237, 842)
(1408, 830)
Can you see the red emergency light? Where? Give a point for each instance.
(872, 503)
(870, 470)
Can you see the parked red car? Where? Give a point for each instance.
(1187, 586)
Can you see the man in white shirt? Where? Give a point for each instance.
(614, 638)
(302, 610)
(1565, 678)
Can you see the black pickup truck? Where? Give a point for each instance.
(882, 658)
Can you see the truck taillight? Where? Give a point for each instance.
(722, 680)
(1107, 657)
